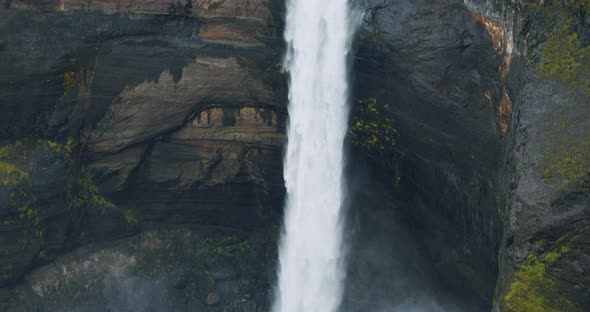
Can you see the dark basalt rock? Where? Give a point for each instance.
(462, 184)
(151, 118)
(432, 63)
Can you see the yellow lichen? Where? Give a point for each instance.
(70, 81)
(12, 150)
(569, 165)
(59, 148)
(10, 175)
(84, 193)
(566, 152)
(563, 55)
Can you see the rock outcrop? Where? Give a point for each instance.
(544, 254)
(490, 97)
(167, 269)
(121, 114)
(433, 67)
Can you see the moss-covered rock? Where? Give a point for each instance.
(562, 54)
(565, 147)
(46, 201)
(535, 285)
(32, 172)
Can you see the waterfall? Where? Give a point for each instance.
(311, 270)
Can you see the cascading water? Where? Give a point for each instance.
(311, 260)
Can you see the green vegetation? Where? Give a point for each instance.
(373, 131)
(65, 149)
(11, 150)
(28, 217)
(533, 289)
(569, 165)
(10, 175)
(15, 163)
(566, 151)
(20, 150)
(84, 193)
(554, 256)
(564, 58)
(25, 216)
(230, 246)
(526, 291)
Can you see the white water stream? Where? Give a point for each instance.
(311, 273)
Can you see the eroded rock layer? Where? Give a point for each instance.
(141, 147)
(117, 115)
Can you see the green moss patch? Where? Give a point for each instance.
(566, 149)
(373, 130)
(569, 165)
(565, 59)
(83, 192)
(555, 255)
(563, 56)
(10, 175)
(533, 289)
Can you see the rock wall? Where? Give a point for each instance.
(435, 66)
(117, 115)
(543, 258)
(489, 99)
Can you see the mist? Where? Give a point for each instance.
(388, 267)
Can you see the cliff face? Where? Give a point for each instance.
(490, 101)
(544, 254)
(141, 148)
(121, 116)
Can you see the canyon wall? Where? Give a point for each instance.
(141, 148)
(125, 117)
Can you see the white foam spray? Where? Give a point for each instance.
(311, 273)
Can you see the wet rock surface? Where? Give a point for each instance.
(495, 159)
(435, 81)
